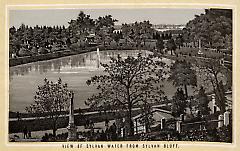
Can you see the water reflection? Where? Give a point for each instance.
(81, 60)
(74, 70)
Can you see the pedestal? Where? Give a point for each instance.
(72, 132)
(178, 126)
(220, 122)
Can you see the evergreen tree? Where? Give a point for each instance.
(202, 102)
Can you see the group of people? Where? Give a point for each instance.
(50, 138)
(89, 124)
(109, 134)
(26, 133)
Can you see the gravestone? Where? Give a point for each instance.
(220, 122)
(226, 118)
(178, 126)
(163, 122)
(182, 117)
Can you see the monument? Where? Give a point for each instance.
(199, 46)
(98, 58)
(72, 129)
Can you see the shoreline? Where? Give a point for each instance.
(44, 57)
(55, 55)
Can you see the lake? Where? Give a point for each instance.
(73, 70)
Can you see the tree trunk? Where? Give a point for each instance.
(129, 121)
(130, 126)
(54, 131)
(220, 95)
(186, 91)
(54, 127)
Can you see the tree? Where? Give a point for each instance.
(160, 44)
(14, 41)
(82, 26)
(127, 83)
(179, 103)
(68, 42)
(50, 99)
(106, 21)
(202, 102)
(179, 41)
(147, 116)
(212, 74)
(104, 28)
(212, 28)
(146, 31)
(171, 45)
(138, 32)
(183, 74)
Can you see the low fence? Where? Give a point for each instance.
(223, 120)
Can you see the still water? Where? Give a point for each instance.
(73, 70)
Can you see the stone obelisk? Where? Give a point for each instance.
(98, 59)
(72, 129)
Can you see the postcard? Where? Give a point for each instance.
(119, 76)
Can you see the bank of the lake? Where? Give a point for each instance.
(58, 54)
(43, 57)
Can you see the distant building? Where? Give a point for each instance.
(168, 27)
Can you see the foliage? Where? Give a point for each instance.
(128, 82)
(171, 45)
(211, 73)
(224, 134)
(147, 116)
(179, 103)
(160, 44)
(137, 32)
(179, 41)
(51, 98)
(183, 74)
(104, 28)
(214, 28)
(203, 101)
(28, 38)
(81, 27)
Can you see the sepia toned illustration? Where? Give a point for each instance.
(89, 75)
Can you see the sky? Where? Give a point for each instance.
(51, 17)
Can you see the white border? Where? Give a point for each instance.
(128, 4)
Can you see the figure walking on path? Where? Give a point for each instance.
(25, 132)
(113, 131)
(29, 134)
